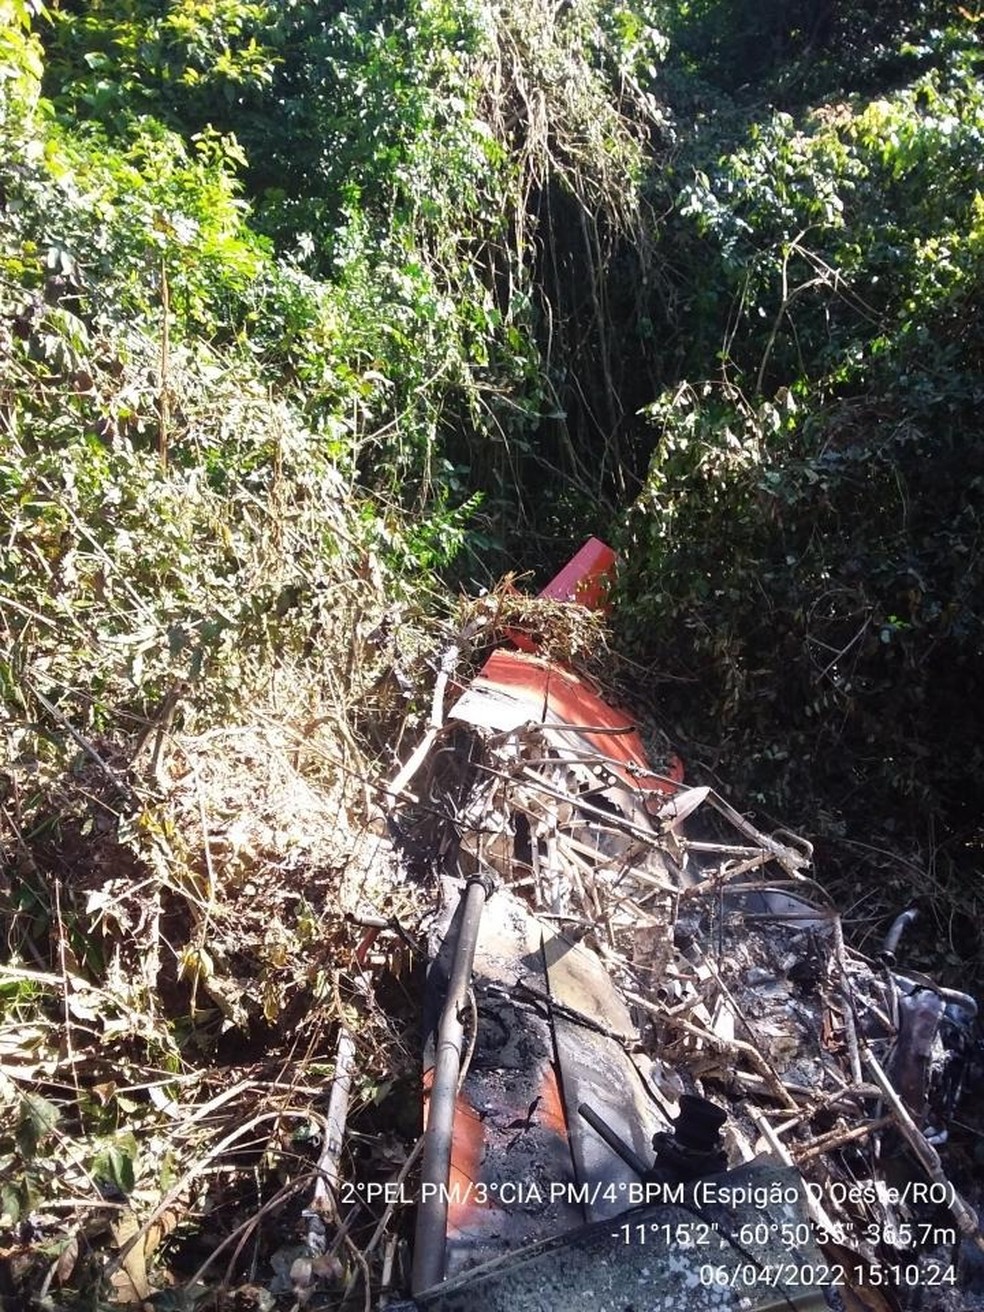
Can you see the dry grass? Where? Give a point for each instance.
(182, 946)
(573, 635)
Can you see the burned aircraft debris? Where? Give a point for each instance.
(656, 1074)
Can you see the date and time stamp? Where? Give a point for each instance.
(722, 1251)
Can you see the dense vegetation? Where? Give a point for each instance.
(807, 545)
(310, 315)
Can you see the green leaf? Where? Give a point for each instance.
(37, 1120)
(116, 1162)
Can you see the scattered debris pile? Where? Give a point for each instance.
(632, 912)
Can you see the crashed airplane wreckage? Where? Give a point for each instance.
(656, 1076)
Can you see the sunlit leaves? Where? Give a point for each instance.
(182, 63)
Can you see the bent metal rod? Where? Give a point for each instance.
(432, 1210)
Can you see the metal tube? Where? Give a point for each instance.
(326, 1185)
(621, 1149)
(952, 997)
(432, 1212)
(898, 927)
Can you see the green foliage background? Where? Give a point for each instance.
(806, 550)
(702, 277)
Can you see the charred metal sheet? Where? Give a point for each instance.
(511, 1162)
(920, 1013)
(596, 1070)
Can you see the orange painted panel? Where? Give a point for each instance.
(467, 1151)
(586, 578)
(553, 693)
